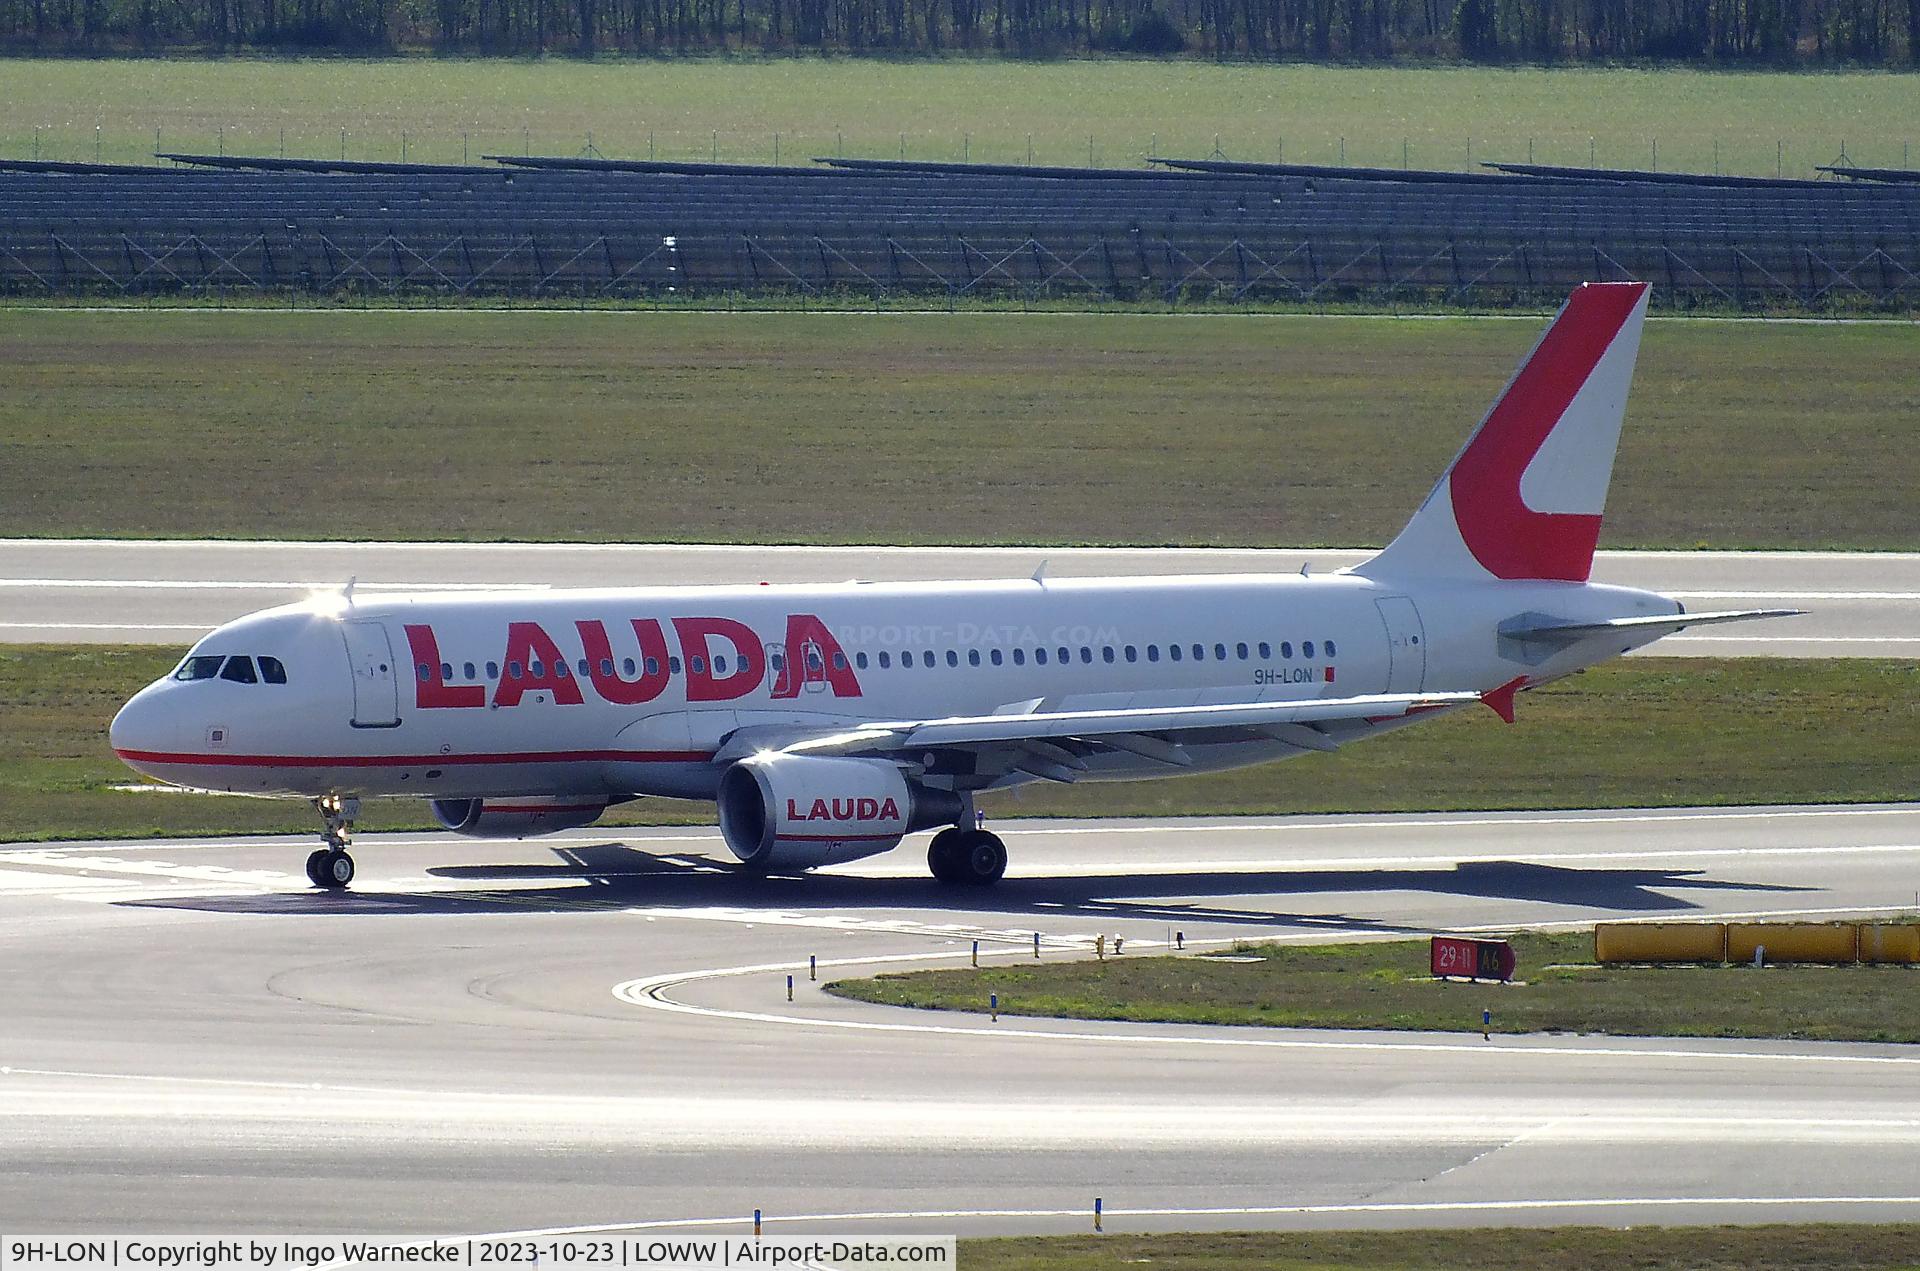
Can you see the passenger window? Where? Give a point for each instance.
(1199, 653)
(994, 655)
(1286, 648)
(513, 670)
(559, 670)
(719, 664)
(1306, 650)
(539, 670)
(1266, 650)
(1106, 653)
(273, 672)
(744, 665)
(240, 671)
(1133, 655)
(953, 659)
(1153, 653)
(1086, 655)
(424, 671)
(585, 670)
(466, 668)
(973, 657)
(779, 663)
(653, 666)
(698, 663)
(1040, 656)
(493, 670)
(886, 660)
(1329, 649)
(1019, 657)
(606, 666)
(673, 666)
(1066, 655)
(839, 661)
(199, 668)
(446, 670)
(926, 658)
(1220, 652)
(1240, 650)
(1173, 652)
(860, 660)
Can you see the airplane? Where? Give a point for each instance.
(829, 722)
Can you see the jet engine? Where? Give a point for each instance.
(516, 818)
(799, 811)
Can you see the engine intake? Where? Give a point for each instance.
(799, 811)
(516, 818)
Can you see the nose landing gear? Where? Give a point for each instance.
(330, 867)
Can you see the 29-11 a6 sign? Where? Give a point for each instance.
(1472, 959)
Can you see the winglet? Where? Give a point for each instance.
(1500, 700)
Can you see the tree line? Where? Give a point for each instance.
(1732, 32)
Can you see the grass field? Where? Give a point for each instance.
(1671, 732)
(906, 428)
(1446, 117)
(1781, 1247)
(1557, 989)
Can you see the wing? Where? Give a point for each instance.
(1054, 743)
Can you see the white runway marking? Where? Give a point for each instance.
(232, 584)
(651, 992)
(1218, 1211)
(1709, 639)
(105, 626)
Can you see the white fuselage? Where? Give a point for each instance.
(551, 693)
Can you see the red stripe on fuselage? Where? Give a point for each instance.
(416, 761)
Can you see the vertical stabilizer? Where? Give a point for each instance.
(1523, 498)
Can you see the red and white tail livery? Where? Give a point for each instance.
(829, 722)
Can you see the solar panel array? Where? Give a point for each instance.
(947, 233)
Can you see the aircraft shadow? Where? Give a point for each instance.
(616, 876)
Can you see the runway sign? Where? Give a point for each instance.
(1472, 959)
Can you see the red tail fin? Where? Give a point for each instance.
(1523, 498)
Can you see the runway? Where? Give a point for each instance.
(172, 592)
(592, 1030)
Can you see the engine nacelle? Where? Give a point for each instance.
(516, 818)
(799, 811)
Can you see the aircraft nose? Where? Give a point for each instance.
(143, 727)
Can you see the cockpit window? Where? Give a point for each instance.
(272, 671)
(239, 670)
(202, 667)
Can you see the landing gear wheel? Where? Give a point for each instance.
(331, 867)
(944, 855)
(336, 870)
(983, 858)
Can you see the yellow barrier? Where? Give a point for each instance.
(1890, 942)
(1660, 942)
(1794, 941)
(1876, 942)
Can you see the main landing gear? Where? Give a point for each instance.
(330, 867)
(959, 855)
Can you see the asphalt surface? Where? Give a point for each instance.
(594, 1029)
(1864, 604)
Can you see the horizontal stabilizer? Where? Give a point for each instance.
(1665, 624)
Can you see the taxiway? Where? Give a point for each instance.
(593, 1030)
